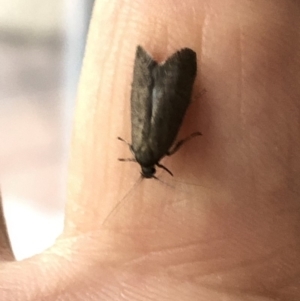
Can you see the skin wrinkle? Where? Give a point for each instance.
(233, 292)
(200, 56)
(129, 294)
(242, 108)
(110, 132)
(169, 251)
(107, 249)
(242, 86)
(99, 104)
(241, 293)
(289, 281)
(149, 290)
(250, 263)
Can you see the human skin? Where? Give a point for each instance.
(226, 227)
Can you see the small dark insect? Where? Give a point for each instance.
(160, 96)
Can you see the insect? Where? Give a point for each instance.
(160, 96)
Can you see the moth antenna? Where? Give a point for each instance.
(165, 183)
(164, 168)
(114, 210)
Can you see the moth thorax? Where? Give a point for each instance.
(145, 156)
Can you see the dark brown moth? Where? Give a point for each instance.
(160, 96)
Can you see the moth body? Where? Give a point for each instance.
(160, 96)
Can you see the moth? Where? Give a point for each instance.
(160, 96)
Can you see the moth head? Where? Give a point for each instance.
(148, 172)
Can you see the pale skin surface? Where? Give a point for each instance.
(233, 234)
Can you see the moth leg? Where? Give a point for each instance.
(178, 145)
(165, 168)
(130, 147)
(121, 139)
(127, 159)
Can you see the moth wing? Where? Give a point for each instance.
(172, 91)
(141, 97)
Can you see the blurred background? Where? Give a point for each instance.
(41, 50)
